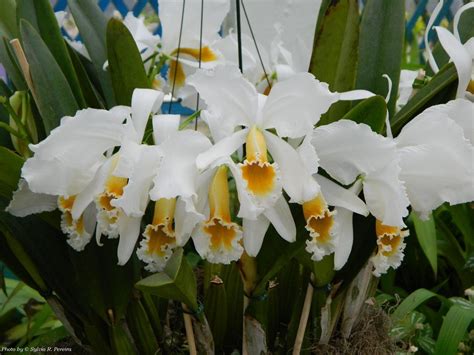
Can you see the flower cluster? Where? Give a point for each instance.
(224, 184)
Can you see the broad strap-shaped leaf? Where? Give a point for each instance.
(334, 55)
(176, 281)
(10, 170)
(41, 15)
(453, 329)
(125, 63)
(440, 89)
(410, 303)
(426, 235)
(380, 47)
(371, 111)
(8, 27)
(9, 62)
(53, 94)
(92, 25)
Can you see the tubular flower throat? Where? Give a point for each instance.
(78, 237)
(320, 225)
(176, 69)
(391, 244)
(159, 237)
(219, 236)
(108, 215)
(261, 177)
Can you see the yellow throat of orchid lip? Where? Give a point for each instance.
(389, 238)
(319, 219)
(176, 71)
(160, 234)
(470, 87)
(113, 189)
(220, 228)
(259, 174)
(73, 228)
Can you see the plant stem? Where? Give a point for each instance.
(304, 318)
(25, 67)
(188, 324)
(244, 328)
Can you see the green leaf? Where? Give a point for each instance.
(92, 25)
(125, 63)
(10, 170)
(8, 26)
(380, 47)
(334, 55)
(426, 235)
(453, 330)
(440, 89)
(371, 111)
(176, 282)
(215, 308)
(410, 303)
(53, 94)
(463, 218)
(51, 34)
(142, 332)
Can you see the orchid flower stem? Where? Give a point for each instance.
(244, 328)
(12, 131)
(188, 324)
(22, 131)
(304, 318)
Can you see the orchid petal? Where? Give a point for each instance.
(129, 229)
(308, 155)
(280, 217)
(254, 232)
(66, 161)
(164, 126)
(434, 15)
(459, 55)
(338, 196)
(457, 17)
(296, 180)
(227, 94)
(186, 218)
(295, 105)
(177, 173)
(144, 103)
(347, 149)
(345, 235)
(223, 148)
(26, 202)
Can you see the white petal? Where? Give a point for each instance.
(186, 217)
(164, 126)
(280, 217)
(135, 194)
(144, 103)
(347, 149)
(177, 173)
(459, 55)
(92, 190)
(460, 111)
(129, 229)
(457, 17)
(227, 94)
(385, 195)
(355, 95)
(434, 15)
(338, 196)
(170, 18)
(220, 128)
(295, 105)
(128, 155)
(223, 148)
(26, 202)
(296, 180)
(345, 236)
(308, 155)
(142, 36)
(66, 161)
(254, 232)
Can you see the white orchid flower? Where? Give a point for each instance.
(146, 41)
(170, 14)
(233, 98)
(64, 165)
(351, 152)
(462, 55)
(405, 87)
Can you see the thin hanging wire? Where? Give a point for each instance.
(256, 45)
(200, 60)
(239, 35)
(177, 56)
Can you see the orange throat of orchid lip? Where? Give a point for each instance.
(389, 238)
(260, 176)
(319, 219)
(113, 189)
(176, 70)
(160, 234)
